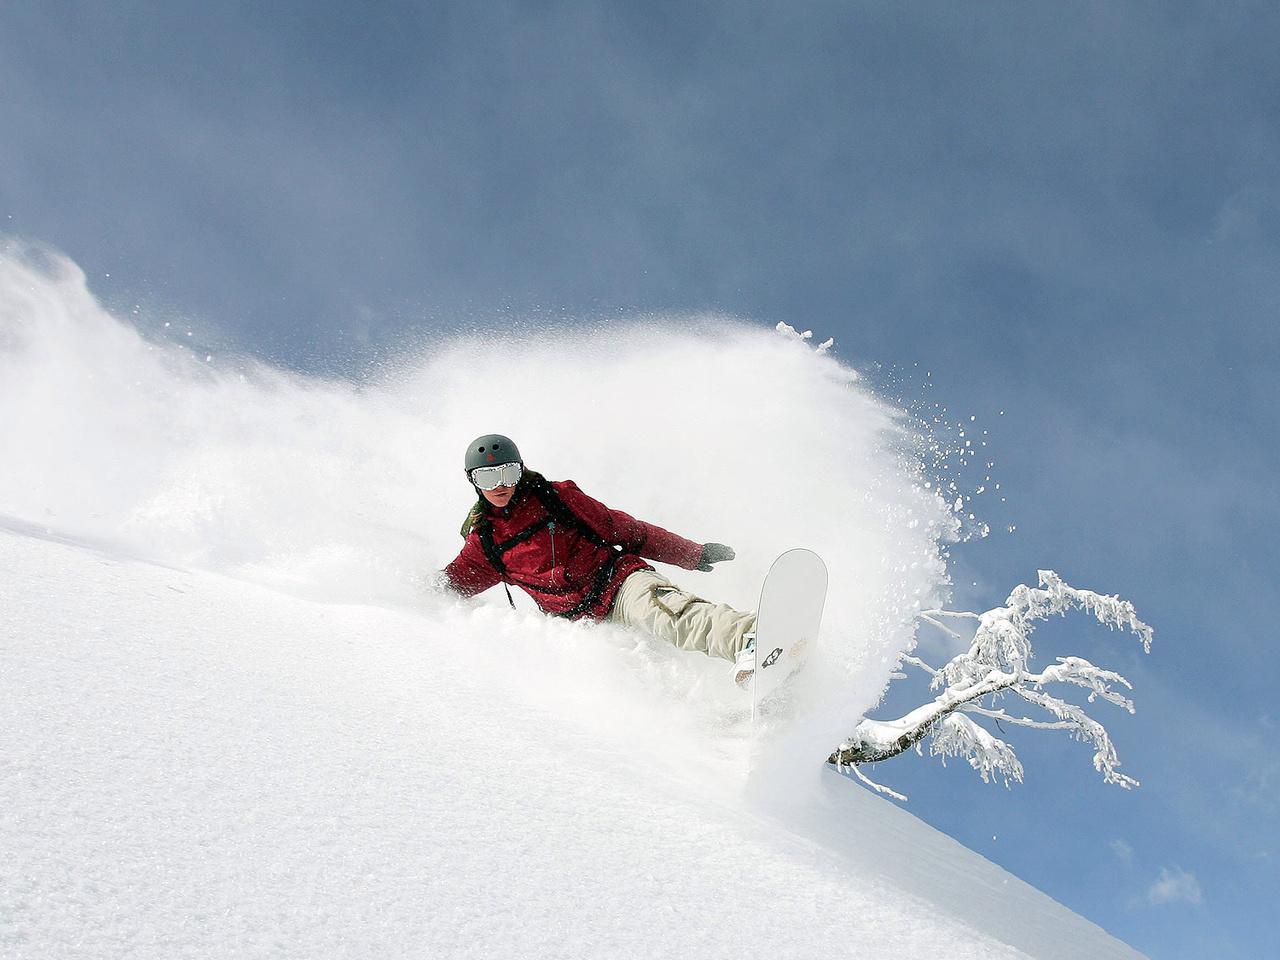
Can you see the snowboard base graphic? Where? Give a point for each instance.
(790, 613)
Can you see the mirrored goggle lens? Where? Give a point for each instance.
(503, 475)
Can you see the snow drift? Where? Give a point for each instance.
(329, 760)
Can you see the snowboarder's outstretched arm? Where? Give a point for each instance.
(635, 536)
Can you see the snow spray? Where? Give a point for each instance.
(353, 492)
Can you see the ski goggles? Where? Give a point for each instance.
(503, 475)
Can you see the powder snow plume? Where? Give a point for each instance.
(353, 492)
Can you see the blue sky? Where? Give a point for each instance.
(1066, 212)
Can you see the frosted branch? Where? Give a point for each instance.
(1082, 673)
(877, 787)
(1105, 760)
(953, 614)
(1018, 721)
(958, 736)
(917, 662)
(997, 661)
(928, 618)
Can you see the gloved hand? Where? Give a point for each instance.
(714, 553)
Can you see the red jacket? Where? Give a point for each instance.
(559, 564)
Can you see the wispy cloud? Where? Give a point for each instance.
(1122, 850)
(1174, 885)
(1260, 786)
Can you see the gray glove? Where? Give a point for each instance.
(714, 553)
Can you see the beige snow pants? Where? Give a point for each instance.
(650, 602)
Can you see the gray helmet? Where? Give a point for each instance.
(491, 450)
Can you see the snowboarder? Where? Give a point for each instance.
(578, 558)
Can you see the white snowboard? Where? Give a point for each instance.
(790, 613)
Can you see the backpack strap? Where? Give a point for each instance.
(483, 528)
(560, 512)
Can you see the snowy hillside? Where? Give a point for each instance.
(199, 767)
(233, 723)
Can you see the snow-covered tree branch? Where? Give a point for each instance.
(995, 665)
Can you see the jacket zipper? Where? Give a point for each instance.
(552, 527)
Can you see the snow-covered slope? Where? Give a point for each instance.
(234, 724)
(199, 767)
